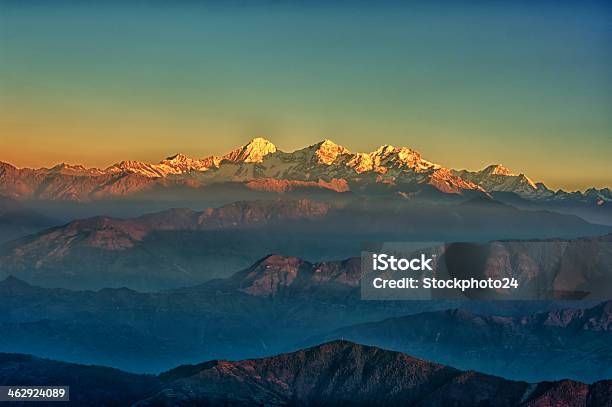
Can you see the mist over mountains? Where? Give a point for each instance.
(17, 220)
(279, 301)
(256, 252)
(181, 247)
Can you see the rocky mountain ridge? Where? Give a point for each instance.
(334, 373)
(325, 164)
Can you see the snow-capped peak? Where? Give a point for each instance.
(327, 162)
(327, 151)
(387, 156)
(383, 150)
(69, 169)
(254, 151)
(498, 169)
(525, 179)
(178, 158)
(179, 163)
(498, 178)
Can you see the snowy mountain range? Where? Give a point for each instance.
(260, 165)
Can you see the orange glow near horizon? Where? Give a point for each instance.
(98, 83)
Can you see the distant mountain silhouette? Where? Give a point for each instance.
(278, 302)
(259, 167)
(335, 373)
(179, 247)
(575, 342)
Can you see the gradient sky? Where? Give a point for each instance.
(467, 83)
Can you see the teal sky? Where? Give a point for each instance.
(466, 83)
